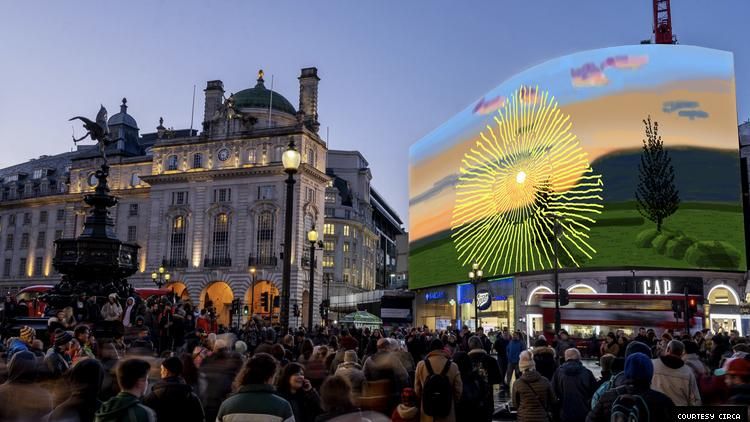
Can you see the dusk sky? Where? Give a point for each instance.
(391, 71)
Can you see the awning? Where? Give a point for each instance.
(362, 319)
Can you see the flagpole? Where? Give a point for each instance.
(192, 112)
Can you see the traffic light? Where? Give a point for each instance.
(296, 310)
(564, 297)
(692, 308)
(245, 310)
(677, 306)
(264, 301)
(276, 301)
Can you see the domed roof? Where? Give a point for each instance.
(123, 118)
(260, 97)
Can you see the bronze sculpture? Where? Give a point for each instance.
(98, 131)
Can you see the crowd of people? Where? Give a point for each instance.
(166, 361)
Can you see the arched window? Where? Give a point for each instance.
(251, 156)
(177, 241)
(197, 160)
(172, 162)
(220, 247)
(264, 247)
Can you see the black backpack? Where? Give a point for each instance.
(437, 393)
(476, 391)
(629, 408)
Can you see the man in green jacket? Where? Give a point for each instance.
(132, 376)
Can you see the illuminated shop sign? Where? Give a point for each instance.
(430, 296)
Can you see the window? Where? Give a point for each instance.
(347, 263)
(330, 212)
(135, 180)
(354, 233)
(26, 218)
(60, 214)
(277, 152)
(346, 230)
(133, 210)
(251, 156)
(197, 161)
(348, 214)
(38, 174)
(24, 241)
(6, 267)
(311, 156)
(346, 247)
(328, 245)
(41, 239)
(172, 162)
(58, 234)
(346, 278)
(310, 195)
(222, 195)
(22, 267)
(132, 234)
(12, 220)
(42, 217)
(177, 239)
(329, 229)
(330, 197)
(264, 242)
(327, 261)
(38, 265)
(220, 246)
(9, 242)
(266, 192)
(179, 198)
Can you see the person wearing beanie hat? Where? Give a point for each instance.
(637, 347)
(639, 370)
(22, 343)
(531, 393)
(407, 411)
(57, 359)
(171, 398)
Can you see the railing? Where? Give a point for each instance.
(262, 261)
(174, 263)
(217, 262)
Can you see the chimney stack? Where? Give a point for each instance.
(214, 97)
(308, 97)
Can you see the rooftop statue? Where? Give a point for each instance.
(98, 131)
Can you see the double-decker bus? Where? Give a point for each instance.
(589, 314)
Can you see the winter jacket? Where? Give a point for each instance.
(659, 405)
(216, 375)
(255, 402)
(487, 367)
(305, 404)
(353, 372)
(676, 380)
(533, 397)
(21, 399)
(16, 345)
(694, 362)
(612, 348)
(562, 346)
(111, 311)
(438, 360)
(387, 366)
(124, 407)
(404, 413)
(545, 361)
(573, 385)
(514, 349)
(173, 400)
(57, 363)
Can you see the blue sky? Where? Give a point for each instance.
(392, 71)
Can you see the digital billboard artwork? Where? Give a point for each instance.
(609, 158)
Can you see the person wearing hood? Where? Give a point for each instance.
(21, 399)
(639, 370)
(85, 381)
(407, 411)
(544, 359)
(485, 367)
(573, 385)
(112, 311)
(532, 393)
(57, 359)
(22, 343)
(172, 399)
(737, 378)
(132, 376)
(352, 371)
(673, 378)
(128, 320)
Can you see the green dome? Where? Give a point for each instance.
(260, 97)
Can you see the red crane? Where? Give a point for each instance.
(663, 23)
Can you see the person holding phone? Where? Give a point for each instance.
(297, 390)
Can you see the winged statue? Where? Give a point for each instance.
(97, 130)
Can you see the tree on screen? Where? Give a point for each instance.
(657, 196)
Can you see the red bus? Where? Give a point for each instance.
(590, 314)
(30, 296)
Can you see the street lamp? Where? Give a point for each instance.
(252, 291)
(160, 277)
(312, 237)
(475, 275)
(291, 161)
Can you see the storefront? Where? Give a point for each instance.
(494, 302)
(436, 307)
(723, 309)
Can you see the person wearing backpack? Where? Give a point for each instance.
(438, 385)
(485, 372)
(634, 400)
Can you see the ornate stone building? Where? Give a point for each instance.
(208, 205)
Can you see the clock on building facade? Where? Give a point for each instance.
(223, 154)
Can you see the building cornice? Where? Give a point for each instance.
(241, 136)
(231, 173)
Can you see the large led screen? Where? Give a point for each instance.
(610, 158)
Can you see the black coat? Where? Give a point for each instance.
(305, 404)
(659, 405)
(545, 361)
(173, 400)
(573, 385)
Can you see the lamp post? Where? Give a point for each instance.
(312, 237)
(252, 291)
(160, 277)
(291, 161)
(475, 275)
